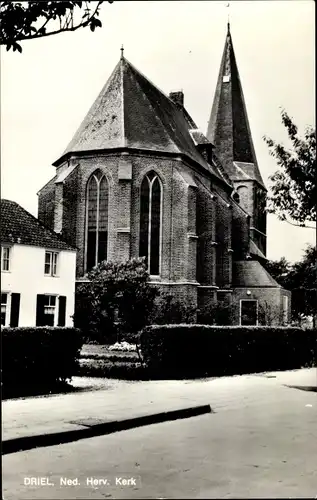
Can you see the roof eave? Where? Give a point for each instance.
(93, 152)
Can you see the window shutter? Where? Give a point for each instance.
(15, 309)
(61, 311)
(40, 317)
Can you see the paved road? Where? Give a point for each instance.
(260, 442)
(121, 400)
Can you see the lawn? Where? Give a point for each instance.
(98, 361)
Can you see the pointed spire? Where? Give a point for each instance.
(228, 127)
(228, 22)
(122, 50)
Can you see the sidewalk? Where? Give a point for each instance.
(120, 400)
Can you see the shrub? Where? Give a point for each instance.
(220, 314)
(37, 359)
(169, 310)
(115, 302)
(202, 350)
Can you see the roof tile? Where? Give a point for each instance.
(132, 112)
(250, 273)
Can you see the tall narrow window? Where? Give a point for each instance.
(5, 259)
(150, 222)
(97, 220)
(50, 266)
(285, 309)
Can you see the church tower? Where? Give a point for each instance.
(229, 131)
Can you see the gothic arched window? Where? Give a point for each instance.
(150, 222)
(97, 220)
(243, 194)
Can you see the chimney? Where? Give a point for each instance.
(177, 97)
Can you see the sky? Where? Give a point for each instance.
(47, 90)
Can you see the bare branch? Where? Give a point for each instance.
(305, 226)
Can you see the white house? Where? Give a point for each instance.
(37, 271)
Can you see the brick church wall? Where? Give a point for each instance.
(270, 304)
(223, 240)
(206, 231)
(69, 218)
(245, 191)
(178, 256)
(180, 259)
(240, 233)
(46, 204)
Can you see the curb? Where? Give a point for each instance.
(25, 443)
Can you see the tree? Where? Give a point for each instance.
(293, 192)
(301, 279)
(27, 20)
(269, 314)
(117, 299)
(279, 270)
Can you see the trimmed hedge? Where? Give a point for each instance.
(181, 351)
(38, 359)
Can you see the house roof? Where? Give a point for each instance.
(19, 226)
(250, 274)
(228, 127)
(131, 112)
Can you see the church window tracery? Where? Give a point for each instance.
(97, 220)
(150, 222)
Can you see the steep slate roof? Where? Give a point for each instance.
(254, 249)
(19, 226)
(198, 137)
(228, 127)
(250, 274)
(249, 170)
(130, 112)
(62, 176)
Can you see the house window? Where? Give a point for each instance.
(4, 306)
(50, 310)
(248, 312)
(50, 267)
(97, 220)
(45, 310)
(150, 222)
(5, 258)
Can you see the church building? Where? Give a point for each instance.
(140, 179)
